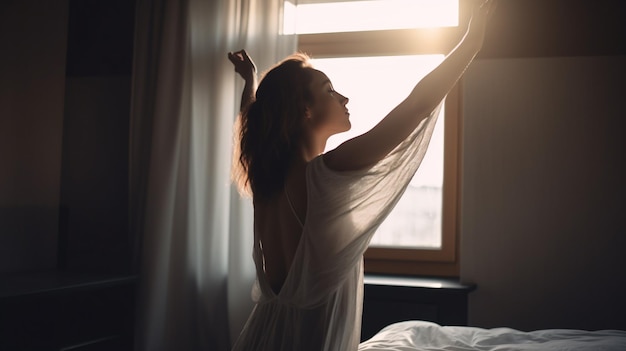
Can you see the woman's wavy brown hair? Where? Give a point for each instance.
(269, 130)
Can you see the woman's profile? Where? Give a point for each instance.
(315, 212)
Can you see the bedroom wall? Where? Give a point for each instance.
(542, 229)
(543, 232)
(93, 235)
(65, 85)
(32, 67)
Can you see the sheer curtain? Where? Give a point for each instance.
(194, 231)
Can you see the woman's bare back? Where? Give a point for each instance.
(279, 227)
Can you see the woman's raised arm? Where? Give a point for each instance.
(367, 149)
(247, 70)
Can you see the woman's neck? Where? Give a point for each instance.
(311, 147)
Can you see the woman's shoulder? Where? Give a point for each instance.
(323, 168)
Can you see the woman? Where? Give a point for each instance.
(315, 213)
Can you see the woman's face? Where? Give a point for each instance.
(328, 114)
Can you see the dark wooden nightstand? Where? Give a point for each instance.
(62, 311)
(391, 299)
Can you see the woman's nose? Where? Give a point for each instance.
(344, 99)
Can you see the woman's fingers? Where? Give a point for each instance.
(481, 6)
(247, 59)
(243, 64)
(483, 10)
(240, 56)
(488, 6)
(235, 57)
(491, 9)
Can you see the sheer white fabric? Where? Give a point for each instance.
(194, 227)
(319, 305)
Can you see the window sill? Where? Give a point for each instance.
(417, 282)
(411, 268)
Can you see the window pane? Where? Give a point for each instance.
(374, 86)
(348, 16)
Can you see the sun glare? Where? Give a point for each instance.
(349, 16)
(375, 85)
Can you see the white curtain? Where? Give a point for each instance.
(194, 231)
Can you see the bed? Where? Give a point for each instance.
(427, 336)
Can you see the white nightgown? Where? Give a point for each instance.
(319, 306)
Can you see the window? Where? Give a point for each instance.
(366, 48)
(367, 15)
(416, 221)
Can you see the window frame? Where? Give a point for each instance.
(408, 261)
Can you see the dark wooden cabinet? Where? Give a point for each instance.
(58, 311)
(390, 299)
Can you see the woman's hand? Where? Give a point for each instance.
(243, 65)
(481, 13)
(247, 70)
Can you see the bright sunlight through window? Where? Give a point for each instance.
(374, 86)
(310, 16)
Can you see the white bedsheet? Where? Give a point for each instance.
(426, 336)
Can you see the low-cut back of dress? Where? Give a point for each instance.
(293, 210)
(319, 305)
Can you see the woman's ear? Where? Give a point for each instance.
(307, 113)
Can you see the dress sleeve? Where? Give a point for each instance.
(346, 208)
